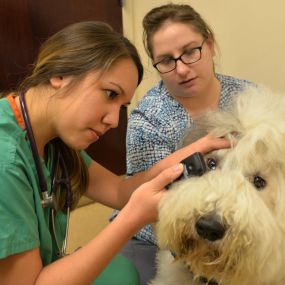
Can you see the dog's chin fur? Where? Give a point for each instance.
(252, 251)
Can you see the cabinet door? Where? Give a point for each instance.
(25, 24)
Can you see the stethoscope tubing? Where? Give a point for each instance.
(42, 181)
(47, 199)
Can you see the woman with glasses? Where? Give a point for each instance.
(181, 46)
(82, 77)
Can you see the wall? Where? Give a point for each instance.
(249, 35)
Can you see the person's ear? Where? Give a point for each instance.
(211, 45)
(56, 82)
(59, 81)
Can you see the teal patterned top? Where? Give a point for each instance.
(157, 125)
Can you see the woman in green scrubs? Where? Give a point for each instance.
(82, 77)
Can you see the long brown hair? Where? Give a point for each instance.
(74, 51)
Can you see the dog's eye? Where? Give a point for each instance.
(211, 163)
(259, 182)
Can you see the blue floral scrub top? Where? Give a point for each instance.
(157, 125)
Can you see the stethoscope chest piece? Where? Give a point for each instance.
(48, 200)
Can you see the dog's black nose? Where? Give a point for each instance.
(210, 227)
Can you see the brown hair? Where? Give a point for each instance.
(156, 17)
(79, 48)
(76, 50)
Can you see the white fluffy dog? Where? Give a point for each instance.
(227, 227)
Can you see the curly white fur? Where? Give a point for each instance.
(252, 250)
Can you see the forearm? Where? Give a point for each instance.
(114, 191)
(84, 265)
(137, 179)
(203, 145)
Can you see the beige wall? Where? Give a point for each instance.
(250, 35)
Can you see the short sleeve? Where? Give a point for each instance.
(18, 220)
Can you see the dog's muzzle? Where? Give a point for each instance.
(210, 227)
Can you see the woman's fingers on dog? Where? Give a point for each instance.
(166, 177)
(209, 143)
(221, 143)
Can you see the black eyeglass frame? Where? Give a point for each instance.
(180, 58)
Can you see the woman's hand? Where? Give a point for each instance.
(204, 145)
(208, 143)
(145, 199)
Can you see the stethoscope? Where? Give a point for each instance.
(49, 200)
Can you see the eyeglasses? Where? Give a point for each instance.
(189, 56)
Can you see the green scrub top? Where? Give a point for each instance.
(24, 224)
